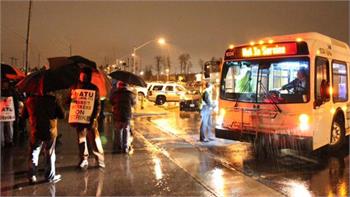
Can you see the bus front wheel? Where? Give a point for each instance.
(337, 134)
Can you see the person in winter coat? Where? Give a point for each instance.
(43, 112)
(88, 133)
(122, 100)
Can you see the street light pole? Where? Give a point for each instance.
(134, 60)
(161, 41)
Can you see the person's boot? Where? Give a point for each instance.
(32, 177)
(84, 164)
(54, 179)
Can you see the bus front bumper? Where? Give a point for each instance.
(280, 140)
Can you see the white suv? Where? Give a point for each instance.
(142, 91)
(164, 92)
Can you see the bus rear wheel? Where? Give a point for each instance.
(337, 135)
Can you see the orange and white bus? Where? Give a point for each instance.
(293, 89)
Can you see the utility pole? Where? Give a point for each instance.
(23, 59)
(27, 40)
(70, 49)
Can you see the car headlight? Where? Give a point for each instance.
(304, 122)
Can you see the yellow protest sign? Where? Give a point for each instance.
(7, 109)
(81, 106)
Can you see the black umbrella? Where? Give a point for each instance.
(63, 73)
(56, 62)
(82, 60)
(44, 81)
(128, 77)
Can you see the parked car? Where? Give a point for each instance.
(190, 101)
(165, 92)
(143, 91)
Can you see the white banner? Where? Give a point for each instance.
(7, 109)
(81, 106)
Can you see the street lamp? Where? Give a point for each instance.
(160, 41)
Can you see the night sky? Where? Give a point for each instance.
(104, 31)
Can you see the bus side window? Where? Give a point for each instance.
(321, 81)
(340, 81)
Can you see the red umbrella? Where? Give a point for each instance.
(101, 80)
(11, 72)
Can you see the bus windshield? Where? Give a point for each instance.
(266, 81)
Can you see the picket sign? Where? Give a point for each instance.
(7, 109)
(81, 106)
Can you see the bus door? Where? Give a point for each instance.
(322, 105)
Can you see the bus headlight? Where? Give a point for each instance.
(220, 117)
(304, 122)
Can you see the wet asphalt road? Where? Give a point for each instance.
(168, 160)
(288, 172)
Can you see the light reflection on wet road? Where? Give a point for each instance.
(290, 173)
(168, 160)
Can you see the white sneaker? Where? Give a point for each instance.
(101, 164)
(32, 179)
(84, 164)
(55, 178)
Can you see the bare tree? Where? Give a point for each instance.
(159, 61)
(201, 65)
(184, 59)
(168, 63)
(148, 72)
(188, 67)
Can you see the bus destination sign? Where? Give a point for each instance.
(276, 49)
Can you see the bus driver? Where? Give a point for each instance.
(299, 84)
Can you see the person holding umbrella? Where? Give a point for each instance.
(122, 100)
(43, 112)
(84, 111)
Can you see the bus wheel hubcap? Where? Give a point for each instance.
(335, 133)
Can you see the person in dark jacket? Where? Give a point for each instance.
(122, 100)
(88, 133)
(43, 112)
